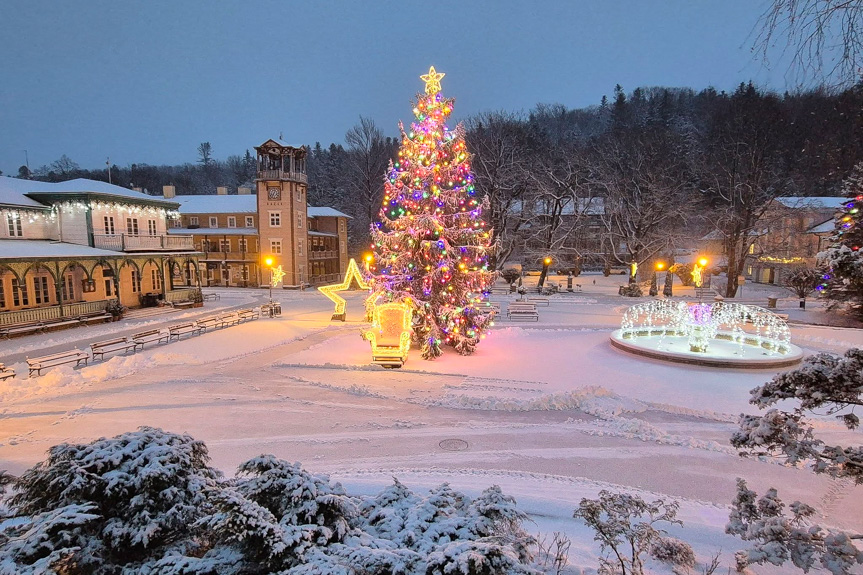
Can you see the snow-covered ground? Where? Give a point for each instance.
(549, 410)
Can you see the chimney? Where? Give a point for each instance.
(243, 191)
(169, 191)
(222, 191)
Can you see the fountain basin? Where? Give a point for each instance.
(713, 335)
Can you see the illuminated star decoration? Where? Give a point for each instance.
(432, 80)
(352, 273)
(278, 274)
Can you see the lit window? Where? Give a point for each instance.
(14, 221)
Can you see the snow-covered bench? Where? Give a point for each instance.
(5, 372)
(247, 314)
(76, 356)
(21, 329)
(229, 319)
(522, 311)
(181, 329)
(148, 336)
(209, 322)
(210, 296)
(99, 318)
(100, 348)
(539, 300)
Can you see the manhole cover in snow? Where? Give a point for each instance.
(453, 444)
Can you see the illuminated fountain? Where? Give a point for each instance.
(717, 335)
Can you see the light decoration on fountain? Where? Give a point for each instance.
(703, 323)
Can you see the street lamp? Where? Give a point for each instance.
(697, 277)
(269, 262)
(545, 263)
(369, 258)
(654, 288)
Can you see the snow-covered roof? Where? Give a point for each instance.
(217, 204)
(213, 231)
(823, 228)
(323, 234)
(325, 212)
(13, 190)
(833, 202)
(13, 249)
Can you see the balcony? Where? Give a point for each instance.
(131, 243)
(282, 175)
(323, 255)
(219, 256)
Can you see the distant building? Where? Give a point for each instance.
(237, 233)
(66, 248)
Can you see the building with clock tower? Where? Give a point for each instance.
(282, 210)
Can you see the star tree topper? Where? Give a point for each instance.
(432, 80)
(352, 273)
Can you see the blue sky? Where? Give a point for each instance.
(147, 81)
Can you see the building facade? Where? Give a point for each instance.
(237, 234)
(67, 248)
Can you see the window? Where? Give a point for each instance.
(109, 225)
(250, 221)
(155, 280)
(193, 220)
(243, 244)
(275, 219)
(177, 223)
(132, 226)
(109, 287)
(40, 289)
(300, 247)
(2, 293)
(298, 195)
(136, 281)
(214, 222)
(225, 245)
(151, 227)
(232, 222)
(19, 293)
(68, 287)
(300, 221)
(751, 248)
(14, 221)
(276, 246)
(341, 224)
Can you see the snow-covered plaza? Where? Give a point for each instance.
(549, 411)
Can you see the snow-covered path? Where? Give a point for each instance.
(548, 411)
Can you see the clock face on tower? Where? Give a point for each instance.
(274, 193)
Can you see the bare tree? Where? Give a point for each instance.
(496, 140)
(205, 153)
(368, 155)
(823, 37)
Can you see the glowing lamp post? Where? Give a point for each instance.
(269, 262)
(369, 258)
(698, 277)
(654, 288)
(545, 263)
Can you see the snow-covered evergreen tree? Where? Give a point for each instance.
(842, 262)
(432, 244)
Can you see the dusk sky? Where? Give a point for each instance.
(147, 81)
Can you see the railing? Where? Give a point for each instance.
(325, 279)
(126, 242)
(282, 175)
(183, 294)
(323, 255)
(250, 257)
(52, 312)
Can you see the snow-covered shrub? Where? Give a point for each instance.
(476, 558)
(114, 503)
(779, 537)
(673, 551)
(631, 290)
(624, 526)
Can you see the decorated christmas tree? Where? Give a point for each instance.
(432, 245)
(842, 262)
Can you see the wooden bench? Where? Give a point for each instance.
(248, 314)
(61, 323)
(209, 322)
(182, 304)
(148, 336)
(522, 311)
(21, 329)
(37, 364)
(538, 300)
(180, 329)
(500, 290)
(100, 348)
(229, 319)
(211, 296)
(5, 372)
(102, 317)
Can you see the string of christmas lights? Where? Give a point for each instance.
(432, 245)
